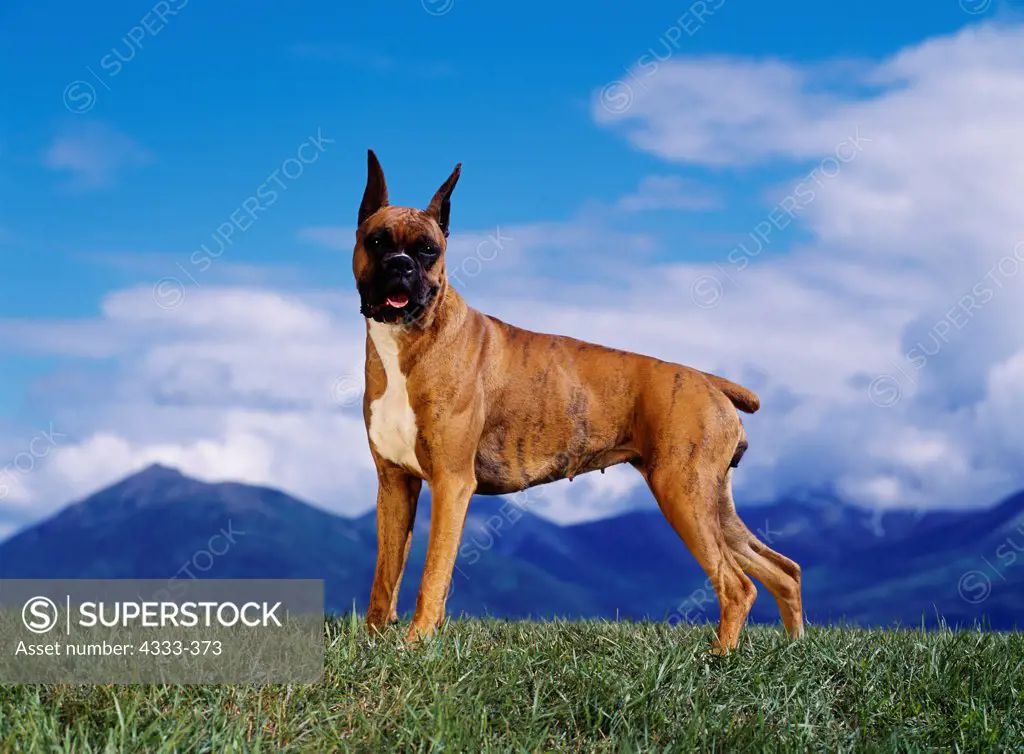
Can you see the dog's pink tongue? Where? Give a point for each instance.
(398, 300)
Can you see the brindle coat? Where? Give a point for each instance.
(490, 408)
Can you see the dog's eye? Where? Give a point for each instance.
(427, 250)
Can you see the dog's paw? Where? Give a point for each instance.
(721, 650)
(377, 627)
(417, 636)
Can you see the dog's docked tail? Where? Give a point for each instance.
(743, 399)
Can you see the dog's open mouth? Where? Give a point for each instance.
(397, 306)
(394, 308)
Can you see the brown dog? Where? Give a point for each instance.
(470, 404)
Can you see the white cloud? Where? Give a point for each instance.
(234, 384)
(659, 192)
(913, 266)
(719, 111)
(93, 154)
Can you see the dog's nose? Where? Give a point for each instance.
(399, 264)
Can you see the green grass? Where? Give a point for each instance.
(490, 685)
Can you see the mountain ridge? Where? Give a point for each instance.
(513, 563)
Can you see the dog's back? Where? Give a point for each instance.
(571, 350)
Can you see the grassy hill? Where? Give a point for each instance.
(569, 686)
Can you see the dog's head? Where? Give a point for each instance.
(399, 255)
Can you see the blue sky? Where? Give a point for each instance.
(219, 96)
(114, 173)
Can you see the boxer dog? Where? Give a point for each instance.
(472, 405)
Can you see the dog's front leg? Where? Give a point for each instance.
(450, 501)
(397, 494)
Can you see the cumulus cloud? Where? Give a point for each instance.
(909, 289)
(234, 384)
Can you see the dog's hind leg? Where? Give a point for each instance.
(779, 574)
(688, 496)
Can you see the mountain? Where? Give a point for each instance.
(906, 568)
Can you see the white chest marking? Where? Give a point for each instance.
(392, 420)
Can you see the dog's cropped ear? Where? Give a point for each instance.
(441, 205)
(376, 194)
